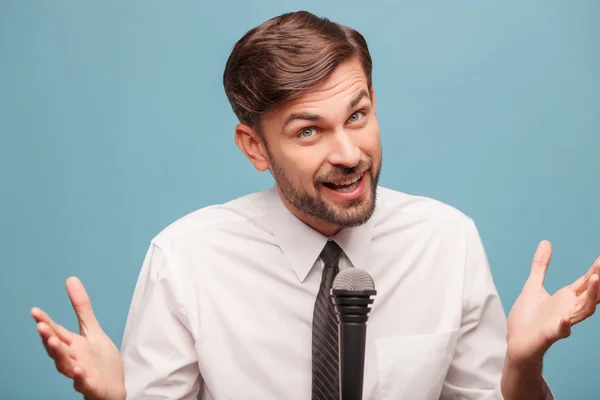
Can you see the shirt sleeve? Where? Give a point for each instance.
(476, 369)
(158, 348)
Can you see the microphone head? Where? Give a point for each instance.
(353, 279)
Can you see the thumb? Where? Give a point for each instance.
(82, 305)
(541, 260)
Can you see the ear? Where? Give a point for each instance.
(373, 100)
(248, 140)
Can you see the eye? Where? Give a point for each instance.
(357, 116)
(307, 132)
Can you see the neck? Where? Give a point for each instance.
(323, 227)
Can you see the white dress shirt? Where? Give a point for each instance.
(224, 302)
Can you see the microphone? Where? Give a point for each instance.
(351, 293)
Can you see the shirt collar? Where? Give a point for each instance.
(302, 245)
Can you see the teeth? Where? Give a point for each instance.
(348, 182)
(348, 188)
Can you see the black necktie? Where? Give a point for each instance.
(325, 370)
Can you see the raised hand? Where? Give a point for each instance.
(91, 359)
(537, 319)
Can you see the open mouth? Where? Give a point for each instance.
(343, 186)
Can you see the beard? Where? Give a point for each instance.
(350, 213)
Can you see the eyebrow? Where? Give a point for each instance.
(315, 117)
(357, 99)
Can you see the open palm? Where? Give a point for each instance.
(538, 319)
(90, 358)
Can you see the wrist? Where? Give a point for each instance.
(520, 365)
(522, 379)
(119, 394)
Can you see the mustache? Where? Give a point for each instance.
(340, 172)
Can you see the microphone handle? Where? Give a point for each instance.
(352, 337)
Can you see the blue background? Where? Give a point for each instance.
(114, 123)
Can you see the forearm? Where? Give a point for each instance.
(522, 381)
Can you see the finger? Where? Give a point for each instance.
(81, 304)
(63, 333)
(556, 330)
(564, 328)
(79, 381)
(583, 293)
(83, 384)
(589, 300)
(592, 295)
(46, 333)
(580, 285)
(541, 260)
(80, 386)
(78, 373)
(62, 360)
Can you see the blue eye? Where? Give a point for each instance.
(307, 132)
(355, 117)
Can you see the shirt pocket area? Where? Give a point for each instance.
(414, 367)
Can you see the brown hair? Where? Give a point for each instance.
(285, 57)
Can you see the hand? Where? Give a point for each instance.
(537, 320)
(91, 359)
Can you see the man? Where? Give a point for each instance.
(231, 299)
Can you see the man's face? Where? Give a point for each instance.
(324, 149)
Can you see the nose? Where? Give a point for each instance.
(344, 151)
